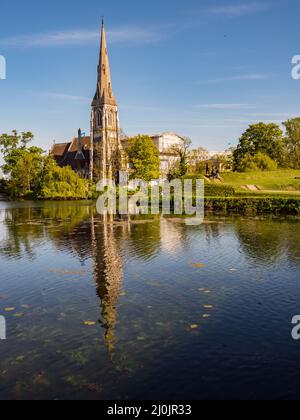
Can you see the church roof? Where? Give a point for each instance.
(66, 154)
(85, 142)
(166, 133)
(59, 149)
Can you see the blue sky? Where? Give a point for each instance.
(205, 69)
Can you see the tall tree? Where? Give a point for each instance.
(292, 143)
(261, 137)
(197, 157)
(143, 157)
(25, 175)
(23, 164)
(181, 166)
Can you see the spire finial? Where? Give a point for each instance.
(102, 20)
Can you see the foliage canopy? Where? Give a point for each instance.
(144, 158)
(32, 174)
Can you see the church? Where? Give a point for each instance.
(103, 154)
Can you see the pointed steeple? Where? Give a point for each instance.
(104, 92)
(104, 121)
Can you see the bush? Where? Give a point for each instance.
(193, 176)
(261, 205)
(259, 162)
(214, 190)
(64, 183)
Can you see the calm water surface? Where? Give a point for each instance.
(146, 309)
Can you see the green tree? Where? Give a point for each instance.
(33, 174)
(24, 176)
(13, 145)
(261, 137)
(143, 156)
(9, 142)
(292, 143)
(22, 164)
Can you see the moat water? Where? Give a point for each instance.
(149, 309)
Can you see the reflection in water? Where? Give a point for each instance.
(244, 265)
(21, 234)
(25, 229)
(267, 242)
(171, 237)
(212, 231)
(107, 274)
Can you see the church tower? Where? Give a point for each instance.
(106, 145)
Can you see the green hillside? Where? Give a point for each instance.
(280, 180)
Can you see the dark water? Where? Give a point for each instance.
(142, 310)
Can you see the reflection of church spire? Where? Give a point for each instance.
(108, 276)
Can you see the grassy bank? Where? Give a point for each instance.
(272, 181)
(278, 192)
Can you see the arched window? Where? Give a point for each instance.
(111, 119)
(99, 119)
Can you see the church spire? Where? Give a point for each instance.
(104, 92)
(105, 135)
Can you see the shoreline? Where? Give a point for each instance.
(248, 205)
(276, 205)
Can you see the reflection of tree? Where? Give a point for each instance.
(27, 227)
(212, 231)
(73, 231)
(262, 240)
(145, 238)
(291, 245)
(22, 233)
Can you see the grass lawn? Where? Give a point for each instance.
(273, 181)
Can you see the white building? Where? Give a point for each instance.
(166, 144)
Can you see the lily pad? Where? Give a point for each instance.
(199, 265)
(19, 315)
